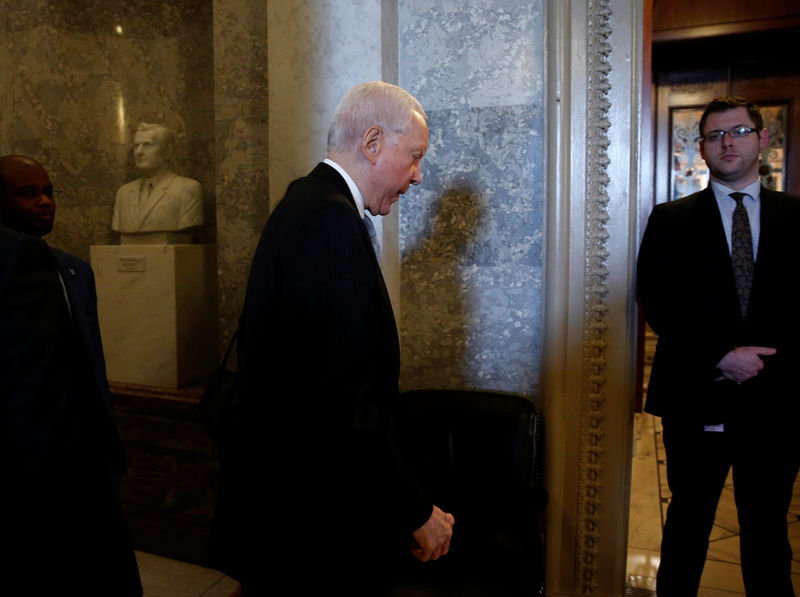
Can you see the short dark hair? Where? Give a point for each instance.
(727, 102)
(8, 161)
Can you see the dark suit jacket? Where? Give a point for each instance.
(62, 445)
(318, 367)
(688, 295)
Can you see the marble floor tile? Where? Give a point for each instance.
(723, 576)
(718, 532)
(162, 577)
(644, 524)
(727, 517)
(706, 592)
(724, 550)
(642, 566)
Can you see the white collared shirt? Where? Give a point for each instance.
(726, 205)
(752, 203)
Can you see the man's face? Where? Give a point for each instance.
(149, 151)
(397, 166)
(26, 199)
(733, 161)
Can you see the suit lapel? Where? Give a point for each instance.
(770, 218)
(710, 231)
(770, 236)
(715, 254)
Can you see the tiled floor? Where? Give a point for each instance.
(162, 577)
(649, 498)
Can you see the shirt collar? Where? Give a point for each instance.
(350, 184)
(721, 191)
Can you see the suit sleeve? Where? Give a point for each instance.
(675, 291)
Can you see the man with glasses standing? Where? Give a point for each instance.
(718, 283)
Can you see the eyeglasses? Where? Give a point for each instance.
(736, 132)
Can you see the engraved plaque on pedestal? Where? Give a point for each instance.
(157, 310)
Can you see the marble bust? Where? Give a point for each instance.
(160, 201)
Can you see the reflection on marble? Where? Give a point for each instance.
(644, 526)
(80, 74)
(641, 568)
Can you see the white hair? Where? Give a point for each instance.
(371, 104)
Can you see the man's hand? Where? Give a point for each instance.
(432, 539)
(744, 362)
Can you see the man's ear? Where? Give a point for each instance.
(763, 139)
(371, 143)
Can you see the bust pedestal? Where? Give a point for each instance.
(157, 310)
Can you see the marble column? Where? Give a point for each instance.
(593, 186)
(241, 89)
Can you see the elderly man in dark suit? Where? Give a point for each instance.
(718, 282)
(64, 529)
(312, 491)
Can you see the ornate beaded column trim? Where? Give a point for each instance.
(595, 276)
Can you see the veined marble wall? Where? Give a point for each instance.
(241, 89)
(471, 234)
(76, 79)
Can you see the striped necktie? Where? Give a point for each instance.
(373, 236)
(742, 252)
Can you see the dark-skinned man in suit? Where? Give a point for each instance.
(65, 532)
(313, 493)
(718, 283)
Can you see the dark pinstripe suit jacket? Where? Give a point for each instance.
(318, 367)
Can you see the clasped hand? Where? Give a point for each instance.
(744, 362)
(432, 539)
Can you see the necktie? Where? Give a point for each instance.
(742, 252)
(373, 236)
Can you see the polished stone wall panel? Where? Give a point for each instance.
(471, 236)
(472, 52)
(318, 50)
(81, 75)
(241, 107)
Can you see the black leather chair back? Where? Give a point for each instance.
(478, 455)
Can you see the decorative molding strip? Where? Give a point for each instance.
(595, 307)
